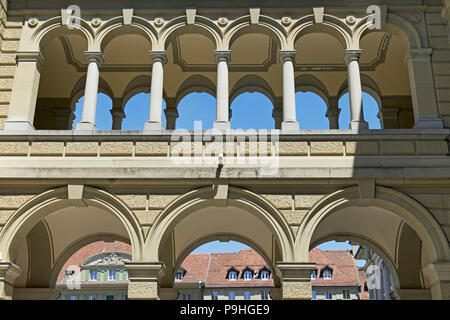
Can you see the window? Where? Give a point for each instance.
(73, 298)
(91, 297)
(110, 297)
(232, 275)
(314, 294)
(346, 294)
(112, 275)
(179, 275)
(231, 295)
(327, 274)
(314, 275)
(186, 297)
(215, 295)
(247, 295)
(248, 275)
(264, 295)
(328, 295)
(93, 275)
(265, 275)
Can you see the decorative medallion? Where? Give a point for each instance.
(223, 21)
(159, 21)
(417, 18)
(33, 22)
(286, 21)
(351, 20)
(96, 22)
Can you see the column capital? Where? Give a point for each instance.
(31, 56)
(294, 271)
(117, 113)
(95, 56)
(158, 56)
(222, 55)
(277, 112)
(142, 271)
(333, 112)
(171, 113)
(287, 55)
(352, 55)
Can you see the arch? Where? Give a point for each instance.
(395, 202)
(252, 83)
(77, 245)
(367, 85)
(140, 84)
(195, 83)
(308, 82)
(52, 28)
(193, 201)
(39, 207)
(331, 25)
(266, 25)
(178, 27)
(115, 27)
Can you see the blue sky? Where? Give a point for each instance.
(249, 111)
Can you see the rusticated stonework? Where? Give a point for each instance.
(293, 290)
(143, 290)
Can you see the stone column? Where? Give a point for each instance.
(333, 113)
(289, 112)
(144, 278)
(222, 95)
(423, 93)
(159, 58)
(351, 58)
(296, 280)
(171, 118)
(437, 278)
(9, 272)
(25, 90)
(95, 60)
(277, 112)
(117, 114)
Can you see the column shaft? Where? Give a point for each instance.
(289, 112)
(159, 58)
(355, 90)
(25, 90)
(95, 59)
(222, 95)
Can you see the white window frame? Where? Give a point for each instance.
(265, 275)
(180, 274)
(234, 277)
(249, 295)
(327, 274)
(110, 275)
(91, 272)
(246, 273)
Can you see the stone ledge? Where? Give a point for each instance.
(327, 148)
(82, 148)
(152, 148)
(116, 148)
(47, 148)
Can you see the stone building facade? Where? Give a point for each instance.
(64, 186)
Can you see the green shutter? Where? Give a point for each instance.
(86, 275)
(125, 275)
(117, 275)
(105, 277)
(99, 275)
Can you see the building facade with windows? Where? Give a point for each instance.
(65, 184)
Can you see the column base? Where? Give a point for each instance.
(18, 125)
(86, 126)
(291, 126)
(154, 127)
(359, 125)
(429, 122)
(222, 125)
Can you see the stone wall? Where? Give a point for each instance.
(9, 44)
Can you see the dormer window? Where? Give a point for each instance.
(265, 275)
(232, 275)
(179, 275)
(314, 274)
(327, 273)
(248, 275)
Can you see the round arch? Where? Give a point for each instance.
(395, 202)
(368, 85)
(252, 83)
(308, 82)
(195, 83)
(196, 200)
(140, 84)
(77, 245)
(39, 207)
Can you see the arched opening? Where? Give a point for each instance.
(103, 119)
(311, 111)
(252, 110)
(45, 232)
(196, 108)
(371, 111)
(65, 63)
(136, 112)
(223, 271)
(95, 272)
